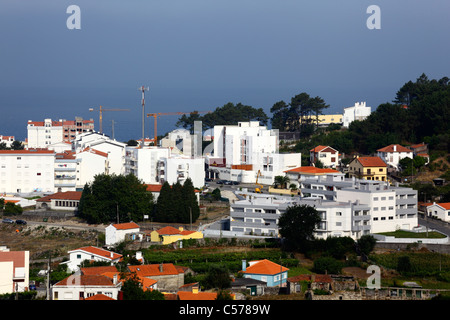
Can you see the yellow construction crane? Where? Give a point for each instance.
(258, 190)
(156, 115)
(101, 109)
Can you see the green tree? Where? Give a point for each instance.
(366, 244)
(17, 145)
(132, 290)
(112, 198)
(328, 265)
(218, 276)
(165, 211)
(228, 114)
(297, 225)
(190, 203)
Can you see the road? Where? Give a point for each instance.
(441, 226)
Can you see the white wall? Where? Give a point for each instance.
(88, 165)
(26, 171)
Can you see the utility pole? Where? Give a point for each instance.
(143, 89)
(48, 275)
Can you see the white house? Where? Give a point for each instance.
(81, 287)
(439, 210)
(77, 256)
(357, 112)
(66, 201)
(14, 271)
(23, 171)
(328, 156)
(115, 233)
(393, 153)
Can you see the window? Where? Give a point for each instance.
(375, 219)
(78, 256)
(375, 199)
(383, 218)
(339, 214)
(338, 224)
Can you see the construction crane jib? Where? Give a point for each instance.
(101, 110)
(156, 115)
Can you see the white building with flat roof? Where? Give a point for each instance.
(23, 171)
(241, 150)
(357, 112)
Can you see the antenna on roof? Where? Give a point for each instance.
(143, 89)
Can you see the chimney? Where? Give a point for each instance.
(160, 267)
(395, 147)
(244, 265)
(111, 254)
(115, 279)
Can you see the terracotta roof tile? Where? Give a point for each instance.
(168, 231)
(265, 267)
(126, 225)
(390, 148)
(98, 270)
(67, 195)
(445, 205)
(371, 162)
(311, 170)
(186, 295)
(149, 270)
(100, 252)
(86, 280)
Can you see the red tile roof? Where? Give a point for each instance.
(86, 280)
(126, 226)
(265, 267)
(99, 252)
(168, 231)
(98, 270)
(67, 195)
(66, 155)
(154, 187)
(28, 152)
(94, 151)
(99, 296)
(311, 170)
(187, 295)
(17, 257)
(152, 270)
(371, 161)
(445, 205)
(390, 148)
(323, 149)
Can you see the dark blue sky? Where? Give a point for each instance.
(201, 54)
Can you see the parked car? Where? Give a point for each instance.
(219, 181)
(21, 222)
(235, 182)
(229, 183)
(7, 220)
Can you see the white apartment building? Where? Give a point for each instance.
(143, 163)
(115, 150)
(90, 162)
(258, 214)
(175, 169)
(357, 112)
(393, 153)
(66, 168)
(23, 171)
(241, 150)
(41, 134)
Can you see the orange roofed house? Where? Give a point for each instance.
(170, 234)
(328, 156)
(91, 254)
(439, 210)
(115, 233)
(168, 276)
(369, 168)
(265, 270)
